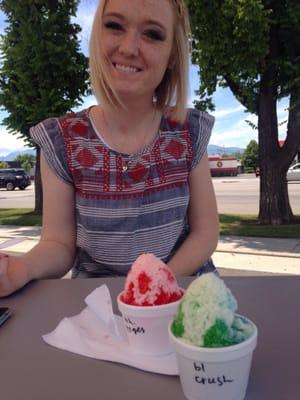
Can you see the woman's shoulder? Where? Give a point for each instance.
(200, 125)
(68, 125)
(74, 116)
(192, 119)
(69, 118)
(199, 122)
(194, 114)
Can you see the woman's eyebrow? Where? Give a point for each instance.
(113, 14)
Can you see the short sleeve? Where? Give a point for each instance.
(49, 137)
(200, 127)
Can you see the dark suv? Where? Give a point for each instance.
(14, 177)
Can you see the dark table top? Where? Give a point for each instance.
(32, 370)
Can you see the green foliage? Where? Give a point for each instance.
(232, 46)
(204, 102)
(27, 161)
(3, 164)
(26, 158)
(251, 124)
(250, 156)
(229, 41)
(26, 165)
(253, 47)
(237, 155)
(42, 73)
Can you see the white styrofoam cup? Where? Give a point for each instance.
(214, 373)
(147, 326)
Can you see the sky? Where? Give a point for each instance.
(230, 129)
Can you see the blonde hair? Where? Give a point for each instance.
(171, 94)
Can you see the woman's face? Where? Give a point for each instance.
(137, 41)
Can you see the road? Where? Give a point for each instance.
(240, 195)
(235, 195)
(17, 198)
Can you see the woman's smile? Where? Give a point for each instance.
(130, 69)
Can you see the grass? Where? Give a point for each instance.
(247, 225)
(19, 217)
(230, 224)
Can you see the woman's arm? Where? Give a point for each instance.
(52, 257)
(203, 221)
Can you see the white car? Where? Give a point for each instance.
(293, 173)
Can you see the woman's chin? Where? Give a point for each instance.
(129, 95)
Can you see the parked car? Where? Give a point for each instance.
(11, 178)
(293, 173)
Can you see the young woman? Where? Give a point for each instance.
(129, 175)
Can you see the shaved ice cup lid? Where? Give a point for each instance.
(214, 373)
(147, 326)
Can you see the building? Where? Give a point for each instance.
(224, 166)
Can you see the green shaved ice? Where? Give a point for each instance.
(219, 335)
(206, 315)
(177, 327)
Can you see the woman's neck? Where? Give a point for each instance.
(132, 119)
(127, 130)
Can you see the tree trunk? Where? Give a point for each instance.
(274, 207)
(292, 144)
(38, 185)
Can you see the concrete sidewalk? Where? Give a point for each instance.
(258, 255)
(235, 255)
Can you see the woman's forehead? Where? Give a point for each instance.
(152, 10)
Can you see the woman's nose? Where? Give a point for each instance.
(129, 45)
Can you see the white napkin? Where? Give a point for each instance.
(97, 333)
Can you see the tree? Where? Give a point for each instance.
(43, 73)
(250, 156)
(26, 160)
(237, 155)
(3, 164)
(253, 47)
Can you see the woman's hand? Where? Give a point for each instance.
(13, 274)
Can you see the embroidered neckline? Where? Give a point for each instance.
(132, 156)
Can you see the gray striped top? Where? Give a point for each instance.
(126, 205)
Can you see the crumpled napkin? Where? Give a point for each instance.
(97, 333)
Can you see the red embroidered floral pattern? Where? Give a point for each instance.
(137, 172)
(88, 157)
(175, 149)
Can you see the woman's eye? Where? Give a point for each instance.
(154, 35)
(113, 25)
